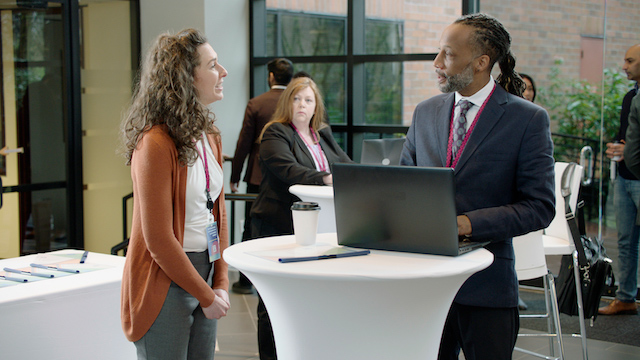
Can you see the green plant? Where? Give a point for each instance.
(577, 106)
(581, 113)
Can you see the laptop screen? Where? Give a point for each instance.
(382, 151)
(400, 208)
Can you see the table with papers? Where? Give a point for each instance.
(69, 316)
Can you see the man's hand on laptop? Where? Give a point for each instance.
(464, 226)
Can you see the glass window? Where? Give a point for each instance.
(384, 92)
(45, 228)
(341, 138)
(302, 34)
(393, 89)
(383, 36)
(363, 93)
(330, 79)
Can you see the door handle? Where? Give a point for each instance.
(586, 161)
(6, 151)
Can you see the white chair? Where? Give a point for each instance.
(323, 195)
(557, 239)
(531, 264)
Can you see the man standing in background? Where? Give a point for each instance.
(626, 197)
(257, 114)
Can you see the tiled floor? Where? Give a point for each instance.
(237, 337)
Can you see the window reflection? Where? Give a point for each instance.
(302, 34)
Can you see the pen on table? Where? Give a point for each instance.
(84, 257)
(323, 257)
(16, 271)
(39, 266)
(13, 279)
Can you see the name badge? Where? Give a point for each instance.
(213, 243)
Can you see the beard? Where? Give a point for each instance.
(458, 81)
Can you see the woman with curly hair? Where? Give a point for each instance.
(175, 282)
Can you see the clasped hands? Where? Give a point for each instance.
(219, 307)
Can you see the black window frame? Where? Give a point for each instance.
(355, 60)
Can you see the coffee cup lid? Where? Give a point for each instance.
(305, 205)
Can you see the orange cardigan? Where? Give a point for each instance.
(155, 256)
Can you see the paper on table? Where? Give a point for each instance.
(68, 261)
(48, 258)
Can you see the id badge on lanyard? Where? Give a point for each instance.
(213, 243)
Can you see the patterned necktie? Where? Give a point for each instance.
(459, 128)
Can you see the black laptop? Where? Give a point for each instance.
(382, 151)
(399, 208)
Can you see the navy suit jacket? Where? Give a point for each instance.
(504, 181)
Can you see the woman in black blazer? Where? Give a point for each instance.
(296, 147)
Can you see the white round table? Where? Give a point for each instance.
(385, 305)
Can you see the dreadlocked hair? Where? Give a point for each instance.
(491, 38)
(165, 94)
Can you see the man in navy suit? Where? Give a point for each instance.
(504, 170)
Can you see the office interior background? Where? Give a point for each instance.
(68, 69)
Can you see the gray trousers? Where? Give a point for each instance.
(181, 331)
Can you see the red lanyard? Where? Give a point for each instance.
(453, 162)
(206, 174)
(317, 156)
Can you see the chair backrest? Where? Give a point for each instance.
(559, 227)
(530, 260)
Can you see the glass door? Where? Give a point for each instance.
(35, 130)
(65, 84)
(619, 194)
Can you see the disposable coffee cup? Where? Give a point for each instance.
(305, 222)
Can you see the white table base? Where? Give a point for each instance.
(386, 305)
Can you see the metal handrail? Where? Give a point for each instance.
(233, 197)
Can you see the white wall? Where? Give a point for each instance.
(227, 28)
(226, 25)
(159, 16)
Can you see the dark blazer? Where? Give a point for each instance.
(632, 141)
(258, 113)
(625, 110)
(285, 161)
(504, 181)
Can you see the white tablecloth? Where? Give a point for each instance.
(70, 317)
(386, 305)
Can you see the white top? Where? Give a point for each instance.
(196, 213)
(317, 153)
(476, 99)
